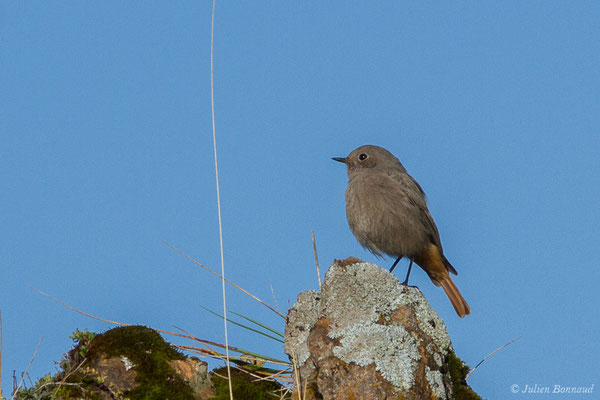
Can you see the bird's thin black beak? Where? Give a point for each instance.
(340, 159)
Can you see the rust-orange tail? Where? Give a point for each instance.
(437, 267)
(460, 305)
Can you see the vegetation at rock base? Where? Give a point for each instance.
(245, 386)
(458, 372)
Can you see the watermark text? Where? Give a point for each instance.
(551, 389)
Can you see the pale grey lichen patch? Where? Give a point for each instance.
(429, 321)
(435, 380)
(436, 355)
(301, 319)
(359, 292)
(391, 348)
(365, 291)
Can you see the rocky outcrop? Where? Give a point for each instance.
(366, 336)
(130, 362)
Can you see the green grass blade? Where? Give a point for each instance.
(258, 323)
(245, 326)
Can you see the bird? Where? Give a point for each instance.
(387, 212)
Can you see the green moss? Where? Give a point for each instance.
(132, 342)
(458, 373)
(150, 354)
(244, 386)
(144, 347)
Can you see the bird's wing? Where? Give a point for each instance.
(417, 198)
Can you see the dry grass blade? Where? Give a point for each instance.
(64, 380)
(275, 299)
(212, 105)
(296, 375)
(216, 355)
(78, 311)
(489, 355)
(283, 375)
(221, 277)
(285, 393)
(276, 376)
(257, 378)
(214, 134)
(209, 351)
(314, 242)
(27, 369)
(191, 337)
(259, 374)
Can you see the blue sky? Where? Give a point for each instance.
(107, 148)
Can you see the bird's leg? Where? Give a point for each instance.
(405, 283)
(395, 262)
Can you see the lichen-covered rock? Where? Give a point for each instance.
(366, 336)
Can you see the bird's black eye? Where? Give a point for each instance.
(362, 157)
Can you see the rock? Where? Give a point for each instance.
(194, 373)
(366, 336)
(117, 371)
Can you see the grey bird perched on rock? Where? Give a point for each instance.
(387, 213)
